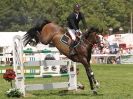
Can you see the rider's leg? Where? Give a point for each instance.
(73, 43)
(72, 51)
(72, 33)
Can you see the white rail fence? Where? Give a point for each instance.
(98, 59)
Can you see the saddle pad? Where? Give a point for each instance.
(65, 39)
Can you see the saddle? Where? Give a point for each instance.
(66, 38)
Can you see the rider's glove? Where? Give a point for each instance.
(86, 30)
(77, 31)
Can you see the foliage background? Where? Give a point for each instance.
(16, 15)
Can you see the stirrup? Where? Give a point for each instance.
(72, 53)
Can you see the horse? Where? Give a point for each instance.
(49, 32)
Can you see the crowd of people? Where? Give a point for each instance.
(109, 50)
(112, 54)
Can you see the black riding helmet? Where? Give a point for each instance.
(76, 7)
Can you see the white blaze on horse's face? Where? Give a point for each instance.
(97, 39)
(101, 40)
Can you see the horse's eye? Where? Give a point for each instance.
(97, 36)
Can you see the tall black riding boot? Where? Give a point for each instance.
(72, 52)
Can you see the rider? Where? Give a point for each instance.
(73, 25)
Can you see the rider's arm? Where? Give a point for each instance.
(71, 20)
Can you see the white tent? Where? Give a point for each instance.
(6, 42)
(6, 38)
(126, 38)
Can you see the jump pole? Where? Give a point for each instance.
(18, 63)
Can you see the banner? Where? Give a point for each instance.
(126, 59)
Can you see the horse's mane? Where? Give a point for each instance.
(89, 31)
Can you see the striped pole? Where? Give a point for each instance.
(40, 51)
(47, 75)
(30, 71)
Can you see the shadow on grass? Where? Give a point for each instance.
(65, 93)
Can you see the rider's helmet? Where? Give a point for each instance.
(76, 7)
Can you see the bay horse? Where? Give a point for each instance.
(49, 32)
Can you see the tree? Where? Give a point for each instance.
(18, 15)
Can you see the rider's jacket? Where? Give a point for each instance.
(73, 20)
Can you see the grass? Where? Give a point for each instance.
(116, 83)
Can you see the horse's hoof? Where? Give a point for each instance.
(80, 86)
(97, 84)
(95, 93)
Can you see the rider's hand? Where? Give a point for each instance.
(86, 30)
(77, 31)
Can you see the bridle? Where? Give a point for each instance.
(91, 43)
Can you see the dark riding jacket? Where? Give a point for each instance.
(73, 22)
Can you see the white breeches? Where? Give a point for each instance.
(72, 32)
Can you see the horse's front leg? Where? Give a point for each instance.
(90, 77)
(93, 77)
(94, 80)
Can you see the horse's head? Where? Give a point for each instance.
(92, 36)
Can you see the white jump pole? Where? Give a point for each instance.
(18, 63)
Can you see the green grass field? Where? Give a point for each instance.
(116, 82)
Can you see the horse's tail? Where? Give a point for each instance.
(31, 36)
